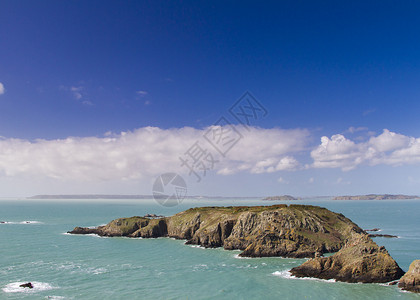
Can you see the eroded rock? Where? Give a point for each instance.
(360, 260)
(411, 280)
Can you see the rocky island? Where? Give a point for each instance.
(376, 197)
(297, 231)
(284, 197)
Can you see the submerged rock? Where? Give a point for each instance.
(295, 231)
(411, 280)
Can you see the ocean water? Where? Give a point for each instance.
(34, 248)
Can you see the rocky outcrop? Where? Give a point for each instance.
(411, 280)
(295, 231)
(27, 285)
(360, 260)
(129, 227)
(373, 229)
(383, 235)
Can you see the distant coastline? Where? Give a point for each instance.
(268, 198)
(122, 197)
(283, 197)
(376, 197)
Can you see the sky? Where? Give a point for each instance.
(102, 97)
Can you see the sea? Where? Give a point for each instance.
(34, 247)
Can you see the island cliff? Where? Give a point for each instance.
(298, 231)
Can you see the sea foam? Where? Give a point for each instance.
(14, 287)
(286, 274)
(21, 222)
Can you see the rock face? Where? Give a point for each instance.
(360, 260)
(295, 231)
(411, 280)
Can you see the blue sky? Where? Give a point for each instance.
(82, 69)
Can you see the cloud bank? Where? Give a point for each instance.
(2, 90)
(150, 151)
(147, 151)
(388, 148)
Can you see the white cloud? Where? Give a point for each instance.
(150, 151)
(389, 141)
(77, 92)
(87, 103)
(265, 151)
(356, 129)
(272, 164)
(142, 93)
(282, 181)
(388, 148)
(337, 152)
(2, 90)
(340, 180)
(145, 152)
(368, 111)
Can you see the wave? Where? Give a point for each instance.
(197, 246)
(21, 222)
(14, 287)
(240, 257)
(287, 275)
(89, 234)
(74, 268)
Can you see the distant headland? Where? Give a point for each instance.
(376, 197)
(283, 197)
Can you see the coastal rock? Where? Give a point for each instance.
(130, 227)
(83, 230)
(373, 229)
(383, 235)
(27, 285)
(360, 260)
(411, 280)
(153, 216)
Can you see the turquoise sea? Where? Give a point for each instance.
(35, 248)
